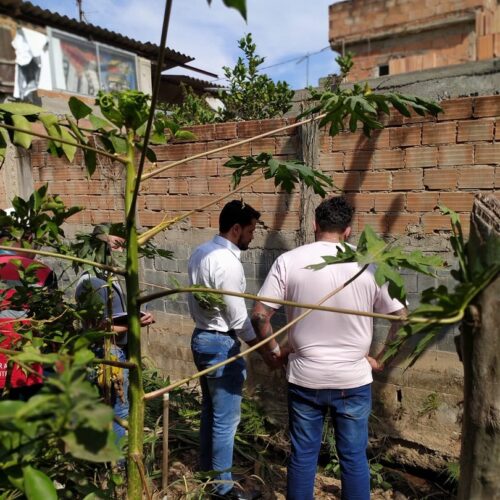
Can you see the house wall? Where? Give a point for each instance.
(396, 180)
(410, 36)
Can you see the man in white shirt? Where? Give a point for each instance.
(216, 264)
(328, 366)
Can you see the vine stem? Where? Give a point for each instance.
(157, 171)
(164, 390)
(114, 270)
(147, 235)
(63, 141)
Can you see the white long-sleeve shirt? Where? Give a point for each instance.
(216, 264)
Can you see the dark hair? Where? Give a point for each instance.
(236, 212)
(334, 214)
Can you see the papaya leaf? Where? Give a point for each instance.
(21, 108)
(78, 108)
(4, 141)
(239, 5)
(90, 158)
(69, 149)
(48, 119)
(22, 139)
(37, 485)
(99, 123)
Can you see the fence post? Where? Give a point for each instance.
(166, 408)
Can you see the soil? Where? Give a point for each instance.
(185, 485)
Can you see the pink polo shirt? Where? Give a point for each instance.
(329, 349)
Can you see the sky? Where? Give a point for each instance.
(283, 30)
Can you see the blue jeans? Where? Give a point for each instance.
(221, 403)
(350, 409)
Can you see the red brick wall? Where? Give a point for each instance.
(396, 179)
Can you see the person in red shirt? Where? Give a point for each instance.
(21, 383)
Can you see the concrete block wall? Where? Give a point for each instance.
(395, 179)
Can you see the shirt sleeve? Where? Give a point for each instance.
(274, 284)
(235, 311)
(383, 303)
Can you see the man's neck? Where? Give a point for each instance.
(330, 237)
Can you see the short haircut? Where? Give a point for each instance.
(236, 212)
(334, 214)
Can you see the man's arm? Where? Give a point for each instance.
(261, 322)
(375, 362)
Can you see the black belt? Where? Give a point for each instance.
(231, 333)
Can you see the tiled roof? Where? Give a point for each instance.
(26, 11)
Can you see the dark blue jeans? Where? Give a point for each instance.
(350, 409)
(221, 403)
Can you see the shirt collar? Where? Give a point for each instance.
(223, 242)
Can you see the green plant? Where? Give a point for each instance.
(193, 110)
(252, 95)
(429, 405)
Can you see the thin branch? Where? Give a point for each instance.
(314, 307)
(154, 98)
(150, 233)
(63, 141)
(147, 176)
(159, 392)
(115, 270)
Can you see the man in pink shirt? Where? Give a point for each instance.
(328, 365)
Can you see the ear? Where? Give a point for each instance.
(347, 233)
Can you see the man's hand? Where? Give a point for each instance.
(147, 319)
(376, 365)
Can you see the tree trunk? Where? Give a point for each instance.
(309, 138)
(480, 341)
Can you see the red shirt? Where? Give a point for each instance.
(9, 279)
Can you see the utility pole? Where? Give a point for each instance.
(80, 10)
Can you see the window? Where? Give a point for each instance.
(85, 67)
(383, 70)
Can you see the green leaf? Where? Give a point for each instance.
(185, 135)
(48, 119)
(90, 158)
(37, 485)
(69, 150)
(4, 141)
(99, 123)
(21, 138)
(9, 409)
(89, 444)
(21, 108)
(78, 108)
(119, 144)
(239, 5)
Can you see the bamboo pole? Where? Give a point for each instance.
(166, 409)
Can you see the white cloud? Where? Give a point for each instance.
(282, 29)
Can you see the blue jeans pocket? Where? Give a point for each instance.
(357, 402)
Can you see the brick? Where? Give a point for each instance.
(331, 162)
(162, 202)
(399, 224)
(376, 221)
(496, 47)
(200, 220)
(439, 133)
(263, 186)
(460, 202)
(239, 150)
(202, 132)
(281, 221)
(347, 182)
(178, 186)
(155, 186)
(389, 159)
(358, 160)
(441, 178)
(405, 136)
(497, 130)
(195, 201)
(148, 218)
(275, 203)
(484, 47)
(362, 202)
(226, 130)
(487, 106)
(421, 202)
(219, 185)
(375, 181)
(357, 140)
(287, 145)
(265, 145)
(410, 179)
(390, 202)
(248, 129)
(454, 109)
(271, 124)
(437, 222)
(325, 142)
(487, 153)
(475, 130)
(197, 186)
(476, 177)
(421, 157)
(458, 154)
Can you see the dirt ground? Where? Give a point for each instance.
(184, 485)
